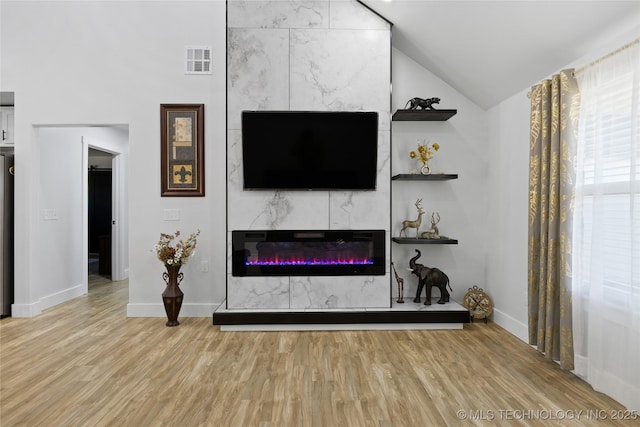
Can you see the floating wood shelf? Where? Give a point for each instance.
(414, 241)
(423, 115)
(420, 177)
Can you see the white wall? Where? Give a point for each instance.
(114, 63)
(508, 188)
(461, 203)
(59, 276)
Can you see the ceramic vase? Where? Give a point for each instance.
(425, 169)
(172, 295)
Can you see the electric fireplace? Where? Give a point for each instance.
(308, 253)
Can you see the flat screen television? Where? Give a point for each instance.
(309, 150)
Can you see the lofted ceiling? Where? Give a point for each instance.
(491, 50)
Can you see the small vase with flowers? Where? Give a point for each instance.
(174, 257)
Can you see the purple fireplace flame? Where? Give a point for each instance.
(297, 253)
(276, 261)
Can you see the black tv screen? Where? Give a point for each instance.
(309, 150)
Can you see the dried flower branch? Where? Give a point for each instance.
(178, 254)
(425, 152)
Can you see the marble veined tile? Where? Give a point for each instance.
(341, 70)
(339, 291)
(278, 14)
(273, 210)
(257, 72)
(365, 209)
(349, 14)
(327, 55)
(234, 159)
(257, 292)
(360, 210)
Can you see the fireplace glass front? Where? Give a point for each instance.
(308, 252)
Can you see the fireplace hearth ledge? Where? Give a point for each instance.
(405, 316)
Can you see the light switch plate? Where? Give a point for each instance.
(172, 214)
(50, 214)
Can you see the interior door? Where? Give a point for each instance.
(100, 212)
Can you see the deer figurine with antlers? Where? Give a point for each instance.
(433, 232)
(413, 224)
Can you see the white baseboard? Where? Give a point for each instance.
(157, 310)
(513, 326)
(62, 296)
(36, 308)
(26, 310)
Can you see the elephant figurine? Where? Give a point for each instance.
(428, 278)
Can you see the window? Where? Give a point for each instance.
(606, 232)
(607, 227)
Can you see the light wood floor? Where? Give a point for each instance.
(84, 363)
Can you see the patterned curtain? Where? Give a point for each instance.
(555, 107)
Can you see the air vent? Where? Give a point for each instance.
(198, 60)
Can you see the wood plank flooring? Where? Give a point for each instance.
(84, 363)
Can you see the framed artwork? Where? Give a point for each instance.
(182, 150)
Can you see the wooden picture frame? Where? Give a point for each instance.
(182, 150)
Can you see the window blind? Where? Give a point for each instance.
(608, 230)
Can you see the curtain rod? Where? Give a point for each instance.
(607, 56)
(599, 60)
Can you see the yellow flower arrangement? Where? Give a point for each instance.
(424, 152)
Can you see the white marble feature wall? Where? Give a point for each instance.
(324, 55)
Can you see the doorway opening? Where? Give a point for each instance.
(99, 210)
(60, 262)
(105, 219)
